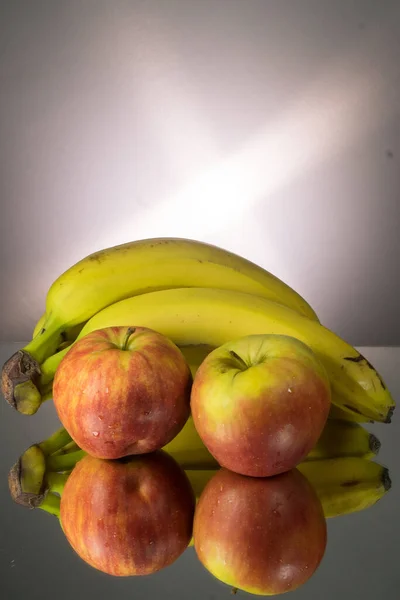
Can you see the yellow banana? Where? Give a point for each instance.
(346, 485)
(146, 265)
(345, 414)
(343, 438)
(214, 317)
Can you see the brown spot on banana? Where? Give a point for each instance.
(361, 358)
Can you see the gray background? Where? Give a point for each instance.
(36, 562)
(269, 127)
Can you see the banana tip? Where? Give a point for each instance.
(386, 481)
(374, 443)
(389, 415)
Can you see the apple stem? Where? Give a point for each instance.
(51, 504)
(64, 462)
(238, 358)
(55, 442)
(128, 334)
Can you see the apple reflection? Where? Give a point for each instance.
(132, 516)
(264, 536)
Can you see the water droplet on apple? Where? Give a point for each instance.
(95, 433)
(289, 391)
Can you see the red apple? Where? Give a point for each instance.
(260, 403)
(122, 391)
(131, 516)
(264, 536)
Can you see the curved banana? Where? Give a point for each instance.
(214, 317)
(343, 438)
(343, 413)
(146, 265)
(346, 485)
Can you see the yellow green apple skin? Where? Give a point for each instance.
(132, 516)
(123, 390)
(260, 403)
(261, 535)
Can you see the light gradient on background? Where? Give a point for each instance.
(270, 128)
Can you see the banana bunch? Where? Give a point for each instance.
(196, 295)
(344, 478)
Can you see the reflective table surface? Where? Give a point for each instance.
(37, 563)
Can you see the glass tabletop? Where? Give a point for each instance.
(38, 563)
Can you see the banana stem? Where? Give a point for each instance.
(56, 482)
(51, 504)
(55, 442)
(71, 447)
(47, 340)
(49, 367)
(64, 462)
